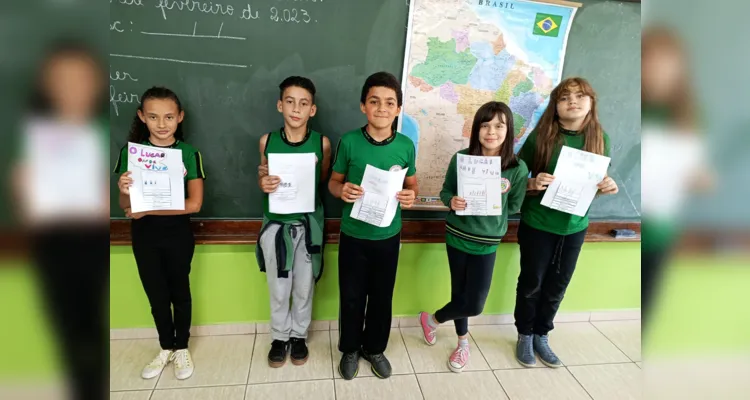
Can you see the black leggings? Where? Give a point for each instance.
(471, 276)
(164, 268)
(547, 264)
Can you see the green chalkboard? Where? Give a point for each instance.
(226, 58)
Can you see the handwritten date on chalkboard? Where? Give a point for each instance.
(249, 12)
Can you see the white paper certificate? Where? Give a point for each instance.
(296, 191)
(378, 204)
(479, 183)
(576, 175)
(158, 178)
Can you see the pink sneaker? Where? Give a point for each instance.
(459, 358)
(428, 331)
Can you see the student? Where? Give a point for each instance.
(472, 241)
(368, 255)
(163, 241)
(290, 247)
(668, 115)
(551, 240)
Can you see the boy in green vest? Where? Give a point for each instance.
(368, 254)
(290, 246)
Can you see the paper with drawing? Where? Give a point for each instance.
(158, 178)
(378, 204)
(296, 191)
(576, 175)
(479, 183)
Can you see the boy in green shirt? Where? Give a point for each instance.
(290, 245)
(368, 254)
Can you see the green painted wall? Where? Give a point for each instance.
(227, 286)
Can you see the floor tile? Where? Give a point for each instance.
(580, 343)
(310, 390)
(481, 385)
(318, 365)
(219, 360)
(206, 393)
(425, 358)
(498, 345)
(626, 335)
(397, 387)
(617, 315)
(137, 395)
(126, 361)
(541, 384)
(395, 352)
(611, 381)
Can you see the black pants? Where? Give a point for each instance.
(71, 266)
(471, 276)
(367, 274)
(547, 264)
(652, 268)
(163, 257)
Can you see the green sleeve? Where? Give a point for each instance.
(518, 188)
(412, 160)
(528, 150)
(449, 185)
(607, 145)
(194, 166)
(122, 161)
(341, 162)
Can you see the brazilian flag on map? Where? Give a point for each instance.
(547, 24)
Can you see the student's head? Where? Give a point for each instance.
(296, 101)
(573, 100)
(665, 78)
(70, 83)
(159, 116)
(493, 123)
(381, 99)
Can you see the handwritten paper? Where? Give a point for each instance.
(63, 178)
(479, 183)
(576, 175)
(158, 178)
(296, 191)
(378, 204)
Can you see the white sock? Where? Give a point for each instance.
(431, 322)
(463, 342)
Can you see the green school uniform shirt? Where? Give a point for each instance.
(278, 143)
(481, 235)
(355, 151)
(533, 213)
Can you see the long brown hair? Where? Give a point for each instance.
(485, 114)
(655, 40)
(548, 137)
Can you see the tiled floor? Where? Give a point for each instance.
(602, 360)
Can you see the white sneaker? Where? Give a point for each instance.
(183, 364)
(154, 368)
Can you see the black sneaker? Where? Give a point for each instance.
(380, 365)
(349, 365)
(298, 352)
(277, 355)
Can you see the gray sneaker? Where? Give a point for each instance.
(548, 357)
(525, 351)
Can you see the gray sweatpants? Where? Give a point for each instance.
(289, 321)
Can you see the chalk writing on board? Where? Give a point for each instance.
(195, 28)
(115, 99)
(174, 60)
(121, 76)
(138, 3)
(291, 15)
(115, 26)
(192, 5)
(247, 13)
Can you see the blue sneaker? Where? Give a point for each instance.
(525, 351)
(548, 357)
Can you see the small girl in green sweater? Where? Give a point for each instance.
(472, 241)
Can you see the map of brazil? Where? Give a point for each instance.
(461, 54)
